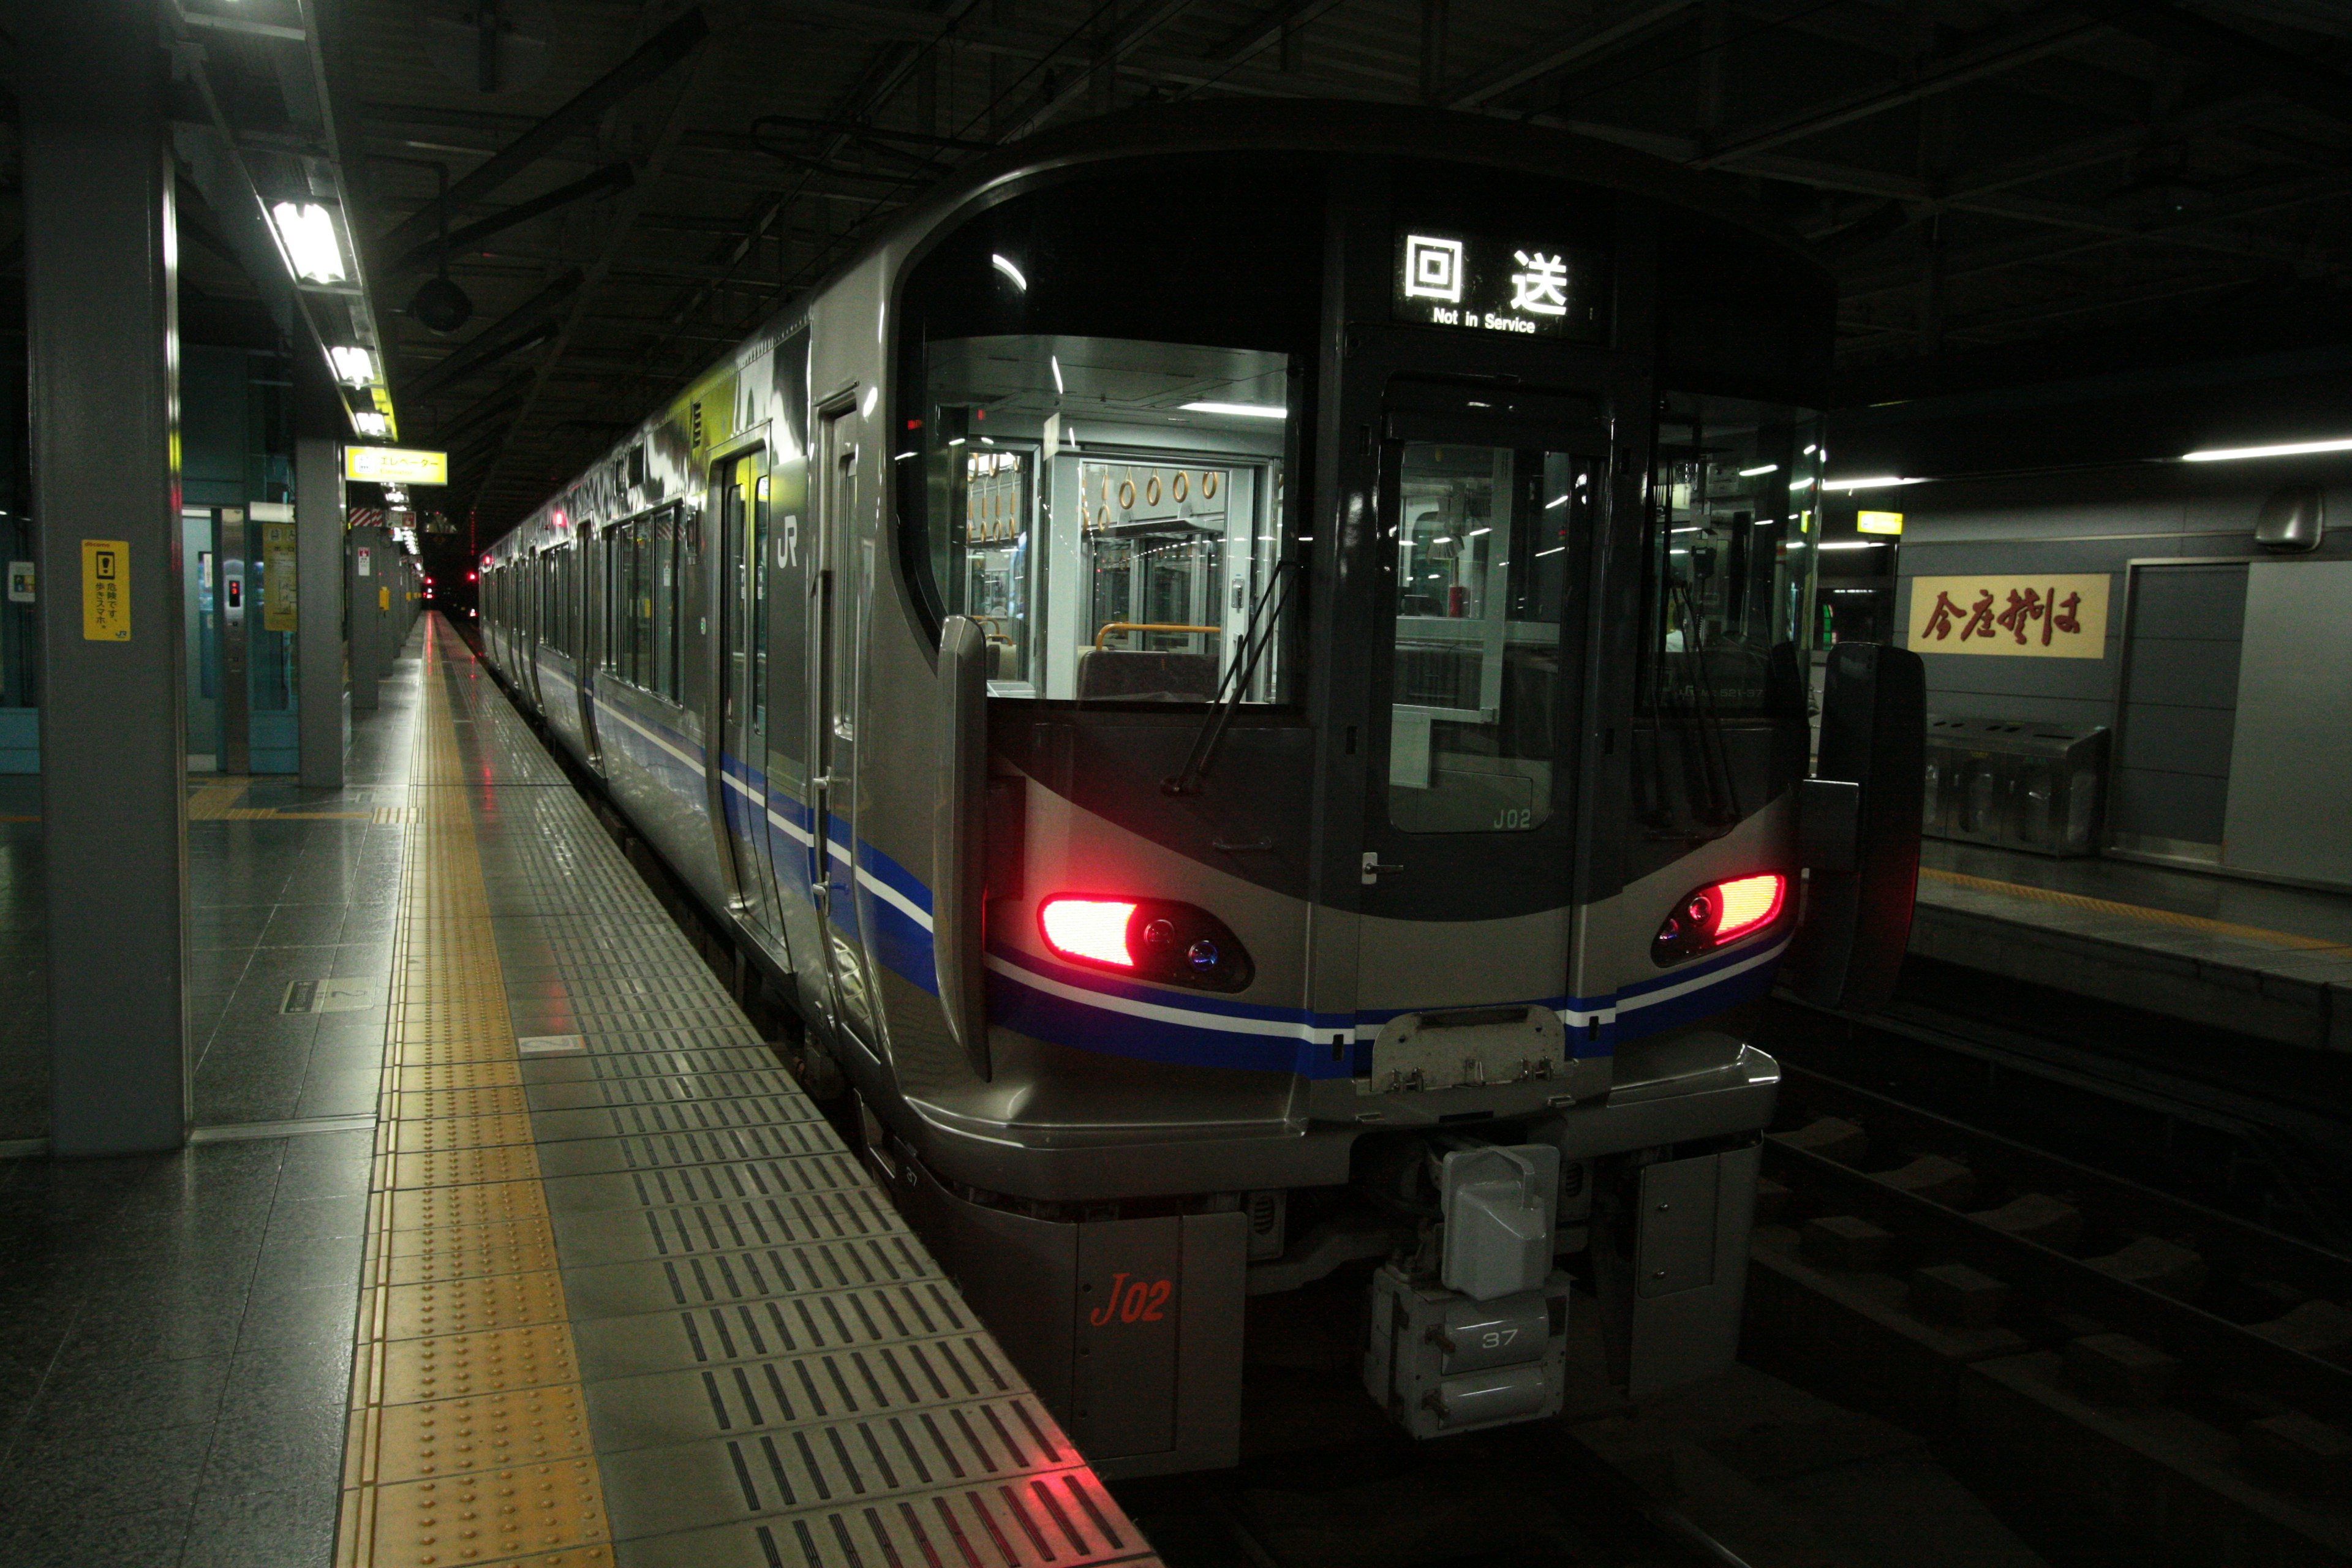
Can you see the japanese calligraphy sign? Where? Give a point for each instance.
(1470, 283)
(2049, 617)
(106, 590)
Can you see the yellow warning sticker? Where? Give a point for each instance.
(106, 590)
(383, 598)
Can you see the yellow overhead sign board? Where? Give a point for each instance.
(2055, 616)
(1879, 522)
(395, 466)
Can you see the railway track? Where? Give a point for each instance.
(2182, 1372)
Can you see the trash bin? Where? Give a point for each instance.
(2018, 785)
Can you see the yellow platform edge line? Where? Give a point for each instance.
(2138, 912)
(422, 1483)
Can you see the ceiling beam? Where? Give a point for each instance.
(2294, 74)
(612, 177)
(659, 53)
(2030, 40)
(1571, 43)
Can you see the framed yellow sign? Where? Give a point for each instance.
(396, 465)
(106, 590)
(2055, 616)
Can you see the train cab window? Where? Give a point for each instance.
(1729, 569)
(1102, 399)
(1112, 543)
(1483, 538)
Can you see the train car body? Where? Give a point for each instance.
(1246, 670)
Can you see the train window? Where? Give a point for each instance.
(1101, 394)
(1729, 568)
(646, 560)
(1482, 545)
(1114, 511)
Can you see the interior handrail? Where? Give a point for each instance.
(1110, 627)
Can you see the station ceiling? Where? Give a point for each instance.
(633, 186)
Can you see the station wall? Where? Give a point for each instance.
(2187, 713)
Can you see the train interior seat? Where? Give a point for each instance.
(1147, 675)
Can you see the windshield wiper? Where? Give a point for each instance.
(1255, 642)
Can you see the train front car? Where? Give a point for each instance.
(1369, 561)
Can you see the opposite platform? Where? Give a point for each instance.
(2274, 962)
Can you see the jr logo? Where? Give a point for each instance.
(1132, 1301)
(788, 547)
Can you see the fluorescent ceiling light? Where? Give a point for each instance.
(1875, 482)
(354, 367)
(370, 423)
(1244, 410)
(308, 232)
(2291, 449)
(1767, 468)
(1853, 543)
(1001, 265)
(1055, 361)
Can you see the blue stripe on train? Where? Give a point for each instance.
(1201, 1033)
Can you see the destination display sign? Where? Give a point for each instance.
(1477, 283)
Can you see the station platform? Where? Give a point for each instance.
(587, 1280)
(2271, 962)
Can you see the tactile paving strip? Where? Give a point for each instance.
(468, 1439)
(636, 1304)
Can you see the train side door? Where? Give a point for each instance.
(1467, 856)
(832, 612)
(743, 489)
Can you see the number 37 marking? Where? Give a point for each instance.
(1132, 1301)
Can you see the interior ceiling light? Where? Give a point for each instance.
(308, 232)
(1875, 482)
(353, 366)
(370, 423)
(1767, 468)
(1006, 267)
(1243, 410)
(2290, 449)
(1854, 544)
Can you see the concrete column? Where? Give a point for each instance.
(368, 557)
(103, 337)
(322, 664)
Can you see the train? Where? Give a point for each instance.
(1248, 671)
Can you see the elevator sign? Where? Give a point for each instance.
(1473, 283)
(395, 466)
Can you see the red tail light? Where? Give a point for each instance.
(1149, 938)
(1720, 912)
(1094, 929)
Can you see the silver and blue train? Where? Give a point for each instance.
(1248, 670)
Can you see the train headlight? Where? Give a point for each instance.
(1720, 912)
(1150, 939)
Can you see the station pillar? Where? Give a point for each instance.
(322, 666)
(102, 333)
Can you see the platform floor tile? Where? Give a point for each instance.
(629, 1298)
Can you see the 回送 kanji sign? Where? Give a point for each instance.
(2031, 618)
